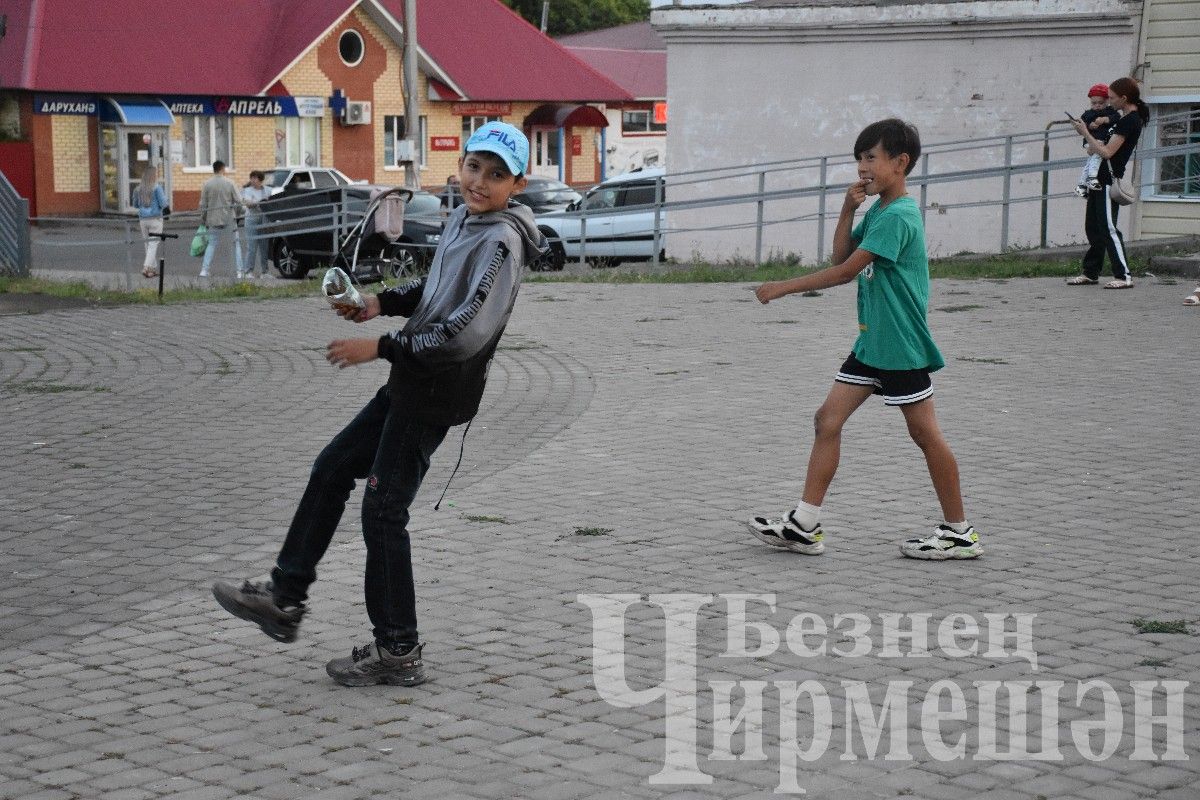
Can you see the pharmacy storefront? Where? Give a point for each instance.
(181, 135)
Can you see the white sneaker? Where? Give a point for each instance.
(789, 534)
(945, 543)
(1081, 190)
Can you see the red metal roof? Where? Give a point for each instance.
(223, 47)
(145, 46)
(632, 36)
(642, 73)
(491, 53)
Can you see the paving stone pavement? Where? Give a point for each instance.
(626, 432)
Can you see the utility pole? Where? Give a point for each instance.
(412, 107)
(545, 14)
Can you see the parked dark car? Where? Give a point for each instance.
(312, 228)
(544, 195)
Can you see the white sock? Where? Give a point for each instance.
(807, 515)
(959, 527)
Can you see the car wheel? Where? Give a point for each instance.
(550, 261)
(401, 263)
(288, 263)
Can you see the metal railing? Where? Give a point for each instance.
(15, 251)
(780, 193)
(814, 185)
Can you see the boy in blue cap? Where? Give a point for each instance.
(439, 363)
(894, 353)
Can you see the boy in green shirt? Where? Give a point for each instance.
(894, 353)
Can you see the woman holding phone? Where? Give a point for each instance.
(1100, 219)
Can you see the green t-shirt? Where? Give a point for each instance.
(893, 291)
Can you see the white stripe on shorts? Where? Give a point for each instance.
(908, 399)
(858, 380)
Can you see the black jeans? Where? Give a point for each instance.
(391, 449)
(1100, 225)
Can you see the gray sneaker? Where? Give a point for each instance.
(255, 602)
(370, 664)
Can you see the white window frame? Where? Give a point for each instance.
(301, 124)
(204, 164)
(1152, 170)
(472, 123)
(362, 47)
(422, 141)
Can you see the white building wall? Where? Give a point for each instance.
(755, 85)
(627, 153)
(1171, 54)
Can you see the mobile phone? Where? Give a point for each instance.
(1071, 116)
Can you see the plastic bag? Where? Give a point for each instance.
(340, 291)
(200, 241)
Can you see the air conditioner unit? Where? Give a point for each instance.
(358, 112)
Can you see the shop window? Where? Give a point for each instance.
(1178, 176)
(471, 124)
(640, 120)
(297, 141)
(207, 139)
(394, 131)
(10, 119)
(350, 48)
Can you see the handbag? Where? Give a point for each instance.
(1121, 191)
(199, 242)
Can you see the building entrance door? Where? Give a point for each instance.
(546, 158)
(125, 153)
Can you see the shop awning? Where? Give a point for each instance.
(135, 111)
(566, 116)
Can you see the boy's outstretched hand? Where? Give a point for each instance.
(771, 290)
(343, 353)
(370, 311)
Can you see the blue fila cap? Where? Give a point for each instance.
(505, 141)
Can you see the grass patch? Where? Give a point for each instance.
(80, 290)
(1152, 662)
(995, 268)
(592, 531)
(1161, 626)
(484, 518)
(22, 349)
(32, 387)
(517, 347)
(956, 309)
(981, 360)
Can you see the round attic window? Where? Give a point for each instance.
(350, 48)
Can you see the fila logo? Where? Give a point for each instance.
(504, 139)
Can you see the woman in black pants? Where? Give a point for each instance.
(1100, 222)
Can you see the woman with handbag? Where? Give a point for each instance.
(151, 203)
(1100, 220)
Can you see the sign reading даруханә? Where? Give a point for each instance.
(1006, 637)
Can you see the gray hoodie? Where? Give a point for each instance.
(457, 313)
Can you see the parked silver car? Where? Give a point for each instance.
(297, 178)
(608, 237)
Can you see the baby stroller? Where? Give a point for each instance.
(369, 251)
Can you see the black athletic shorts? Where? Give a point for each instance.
(899, 387)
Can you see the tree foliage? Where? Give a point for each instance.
(576, 16)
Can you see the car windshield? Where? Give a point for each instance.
(276, 178)
(422, 205)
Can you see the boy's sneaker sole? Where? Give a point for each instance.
(775, 533)
(944, 545)
(254, 603)
(370, 666)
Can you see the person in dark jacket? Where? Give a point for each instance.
(1100, 218)
(439, 361)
